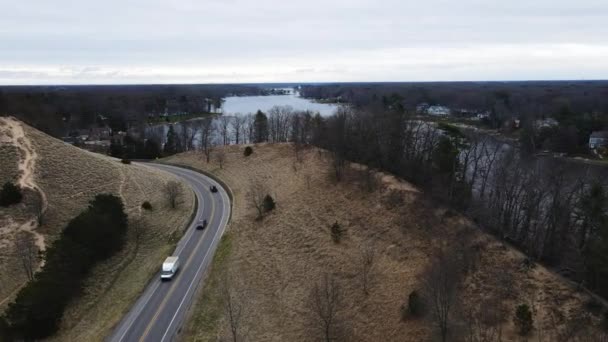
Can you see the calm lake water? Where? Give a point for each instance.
(251, 104)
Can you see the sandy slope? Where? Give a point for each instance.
(274, 263)
(68, 178)
(12, 134)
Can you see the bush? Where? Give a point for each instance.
(594, 306)
(146, 205)
(269, 203)
(125, 161)
(10, 194)
(248, 151)
(336, 232)
(523, 319)
(415, 305)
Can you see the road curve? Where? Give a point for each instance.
(159, 312)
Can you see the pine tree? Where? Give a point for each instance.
(171, 144)
(260, 126)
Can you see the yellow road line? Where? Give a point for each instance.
(174, 285)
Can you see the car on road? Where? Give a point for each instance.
(170, 267)
(202, 226)
(213, 188)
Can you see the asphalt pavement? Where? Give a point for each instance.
(159, 312)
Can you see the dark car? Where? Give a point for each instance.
(202, 226)
(213, 188)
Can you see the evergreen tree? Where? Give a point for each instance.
(523, 319)
(171, 144)
(10, 194)
(594, 233)
(260, 127)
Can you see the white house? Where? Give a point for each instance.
(598, 139)
(546, 123)
(438, 110)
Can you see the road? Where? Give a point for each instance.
(159, 313)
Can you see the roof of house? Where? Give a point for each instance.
(599, 134)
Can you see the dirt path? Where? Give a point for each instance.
(11, 132)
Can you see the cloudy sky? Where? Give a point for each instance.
(228, 41)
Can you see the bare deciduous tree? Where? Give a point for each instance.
(207, 129)
(27, 252)
(441, 281)
(257, 192)
(367, 258)
(173, 191)
(233, 309)
(238, 126)
(220, 156)
(325, 305)
(224, 127)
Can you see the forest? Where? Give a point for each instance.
(56, 110)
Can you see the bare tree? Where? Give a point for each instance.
(38, 208)
(257, 192)
(233, 309)
(325, 305)
(367, 258)
(224, 127)
(483, 322)
(238, 127)
(441, 281)
(173, 191)
(207, 129)
(137, 226)
(27, 252)
(187, 132)
(220, 156)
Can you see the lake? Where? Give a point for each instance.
(251, 104)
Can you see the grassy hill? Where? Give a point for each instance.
(60, 180)
(268, 268)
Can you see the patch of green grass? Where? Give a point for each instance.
(206, 313)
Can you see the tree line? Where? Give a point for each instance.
(554, 211)
(57, 110)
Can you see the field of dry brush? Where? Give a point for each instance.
(270, 266)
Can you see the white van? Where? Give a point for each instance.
(170, 267)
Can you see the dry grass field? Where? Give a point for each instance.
(271, 265)
(69, 178)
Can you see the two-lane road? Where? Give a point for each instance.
(159, 312)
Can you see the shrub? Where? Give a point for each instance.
(523, 319)
(125, 161)
(594, 306)
(269, 203)
(415, 305)
(146, 205)
(248, 151)
(10, 194)
(336, 232)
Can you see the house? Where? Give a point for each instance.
(438, 110)
(422, 108)
(546, 123)
(598, 139)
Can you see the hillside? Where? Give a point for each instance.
(269, 267)
(59, 181)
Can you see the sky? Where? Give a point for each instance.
(238, 41)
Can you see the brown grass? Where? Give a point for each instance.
(70, 177)
(274, 263)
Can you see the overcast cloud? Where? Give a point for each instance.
(227, 41)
